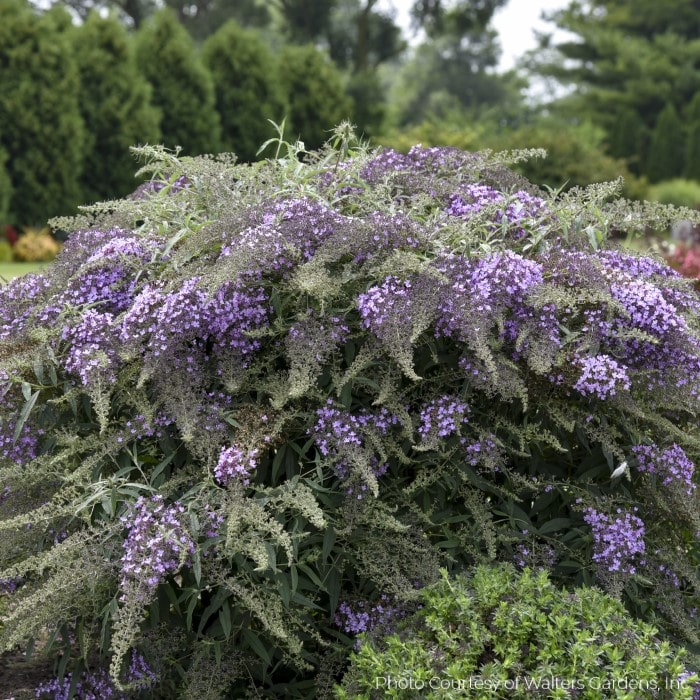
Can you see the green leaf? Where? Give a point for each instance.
(24, 414)
(554, 525)
(221, 595)
(328, 542)
(225, 619)
(256, 645)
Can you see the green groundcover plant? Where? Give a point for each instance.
(504, 634)
(254, 409)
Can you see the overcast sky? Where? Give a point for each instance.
(515, 24)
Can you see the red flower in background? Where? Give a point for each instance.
(686, 259)
(9, 233)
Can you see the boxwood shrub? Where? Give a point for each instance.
(254, 409)
(500, 633)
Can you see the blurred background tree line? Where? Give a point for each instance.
(82, 80)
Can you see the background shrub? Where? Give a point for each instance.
(247, 87)
(313, 89)
(515, 635)
(36, 245)
(42, 131)
(5, 186)
(115, 105)
(680, 192)
(183, 90)
(5, 251)
(254, 411)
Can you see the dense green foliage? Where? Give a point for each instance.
(246, 85)
(250, 413)
(183, 89)
(627, 60)
(503, 634)
(666, 146)
(679, 192)
(115, 104)
(41, 128)
(313, 89)
(5, 186)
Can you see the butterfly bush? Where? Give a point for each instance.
(247, 396)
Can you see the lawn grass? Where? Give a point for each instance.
(10, 270)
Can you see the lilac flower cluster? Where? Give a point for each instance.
(110, 279)
(361, 616)
(316, 336)
(97, 685)
(167, 325)
(18, 298)
(442, 417)
(386, 232)
(478, 290)
(386, 305)
(602, 377)
(520, 210)
(647, 308)
(618, 540)
(156, 545)
(671, 464)
(337, 432)
(419, 160)
(92, 351)
(236, 465)
(290, 229)
(485, 452)
(26, 448)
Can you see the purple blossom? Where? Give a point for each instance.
(672, 465)
(156, 545)
(602, 377)
(97, 685)
(485, 452)
(26, 448)
(442, 417)
(236, 464)
(92, 351)
(386, 305)
(618, 540)
(518, 212)
(362, 616)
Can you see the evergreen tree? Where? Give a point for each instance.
(183, 89)
(692, 149)
(41, 128)
(667, 146)
(628, 139)
(314, 91)
(116, 107)
(5, 187)
(621, 56)
(247, 88)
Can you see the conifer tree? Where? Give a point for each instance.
(42, 131)
(5, 187)
(667, 146)
(246, 86)
(314, 91)
(183, 89)
(115, 103)
(692, 149)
